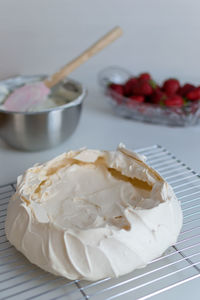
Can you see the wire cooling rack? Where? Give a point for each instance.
(19, 279)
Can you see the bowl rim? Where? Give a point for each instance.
(77, 101)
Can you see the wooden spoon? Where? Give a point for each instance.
(27, 96)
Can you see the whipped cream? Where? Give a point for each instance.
(90, 214)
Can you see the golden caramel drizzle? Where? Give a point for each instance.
(134, 181)
(127, 227)
(25, 200)
(37, 190)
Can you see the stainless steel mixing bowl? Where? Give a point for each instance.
(33, 131)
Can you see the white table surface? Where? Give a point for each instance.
(37, 40)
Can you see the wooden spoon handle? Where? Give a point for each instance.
(75, 63)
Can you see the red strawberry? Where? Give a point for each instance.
(174, 101)
(143, 88)
(128, 86)
(117, 88)
(138, 99)
(146, 88)
(194, 94)
(145, 76)
(185, 89)
(158, 96)
(116, 91)
(171, 86)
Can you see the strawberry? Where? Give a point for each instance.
(158, 96)
(174, 101)
(128, 86)
(117, 88)
(143, 88)
(185, 89)
(116, 91)
(138, 99)
(171, 86)
(145, 76)
(146, 88)
(194, 94)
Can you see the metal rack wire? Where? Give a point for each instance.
(19, 279)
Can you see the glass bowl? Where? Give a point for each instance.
(187, 115)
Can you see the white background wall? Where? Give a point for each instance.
(160, 36)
